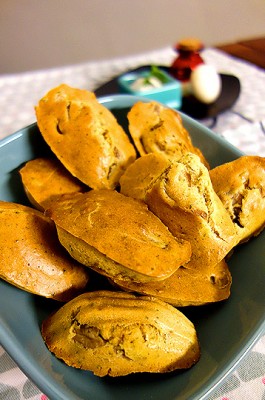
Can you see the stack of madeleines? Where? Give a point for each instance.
(145, 212)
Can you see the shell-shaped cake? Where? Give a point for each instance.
(32, 257)
(117, 236)
(117, 333)
(85, 136)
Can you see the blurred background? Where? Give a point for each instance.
(43, 34)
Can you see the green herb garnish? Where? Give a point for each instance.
(155, 73)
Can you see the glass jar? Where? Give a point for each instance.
(188, 58)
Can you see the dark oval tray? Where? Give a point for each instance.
(190, 105)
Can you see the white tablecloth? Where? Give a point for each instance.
(243, 126)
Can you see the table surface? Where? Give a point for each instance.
(252, 50)
(243, 125)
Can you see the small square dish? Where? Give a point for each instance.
(226, 330)
(152, 83)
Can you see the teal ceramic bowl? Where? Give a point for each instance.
(226, 330)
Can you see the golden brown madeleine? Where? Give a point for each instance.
(142, 174)
(85, 136)
(183, 198)
(240, 184)
(116, 334)
(157, 128)
(117, 236)
(187, 287)
(32, 257)
(46, 178)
